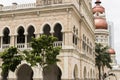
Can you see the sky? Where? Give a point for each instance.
(112, 14)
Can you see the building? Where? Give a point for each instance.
(71, 21)
(104, 34)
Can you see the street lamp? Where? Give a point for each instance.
(107, 75)
(112, 74)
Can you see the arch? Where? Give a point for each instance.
(6, 30)
(58, 22)
(17, 28)
(75, 72)
(3, 28)
(57, 32)
(6, 37)
(24, 72)
(52, 72)
(46, 29)
(43, 25)
(20, 36)
(30, 32)
(85, 73)
(31, 24)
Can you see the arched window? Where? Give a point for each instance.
(31, 34)
(20, 36)
(57, 32)
(46, 30)
(75, 33)
(6, 37)
(75, 72)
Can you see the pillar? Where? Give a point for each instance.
(12, 40)
(1, 6)
(1, 42)
(25, 41)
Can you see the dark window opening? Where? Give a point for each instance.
(46, 30)
(21, 36)
(57, 32)
(6, 37)
(31, 34)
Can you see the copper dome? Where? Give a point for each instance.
(98, 7)
(100, 23)
(111, 51)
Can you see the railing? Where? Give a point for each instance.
(57, 43)
(28, 46)
(51, 2)
(4, 46)
(29, 5)
(21, 6)
(20, 45)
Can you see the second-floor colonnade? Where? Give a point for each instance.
(22, 37)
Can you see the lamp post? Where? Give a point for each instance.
(112, 74)
(109, 74)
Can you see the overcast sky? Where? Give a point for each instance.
(112, 14)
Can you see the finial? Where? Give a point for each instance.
(98, 2)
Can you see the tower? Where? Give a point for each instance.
(101, 26)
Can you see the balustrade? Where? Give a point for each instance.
(28, 46)
(4, 46)
(57, 43)
(29, 5)
(21, 45)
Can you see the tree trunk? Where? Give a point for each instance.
(4, 75)
(99, 70)
(103, 72)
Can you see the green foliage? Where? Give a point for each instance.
(11, 59)
(43, 52)
(102, 57)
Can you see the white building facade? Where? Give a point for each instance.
(71, 21)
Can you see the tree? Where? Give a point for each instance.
(102, 58)
(11, 59)
(43, 52)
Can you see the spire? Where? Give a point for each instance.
(98, 2)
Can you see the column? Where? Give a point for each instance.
(25, 41)
(15, 40)
(63, 39)
(1, 42)
(12, 40)
(1, 6)
(37, 35)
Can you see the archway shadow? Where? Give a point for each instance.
(24, 72)
(52, 72)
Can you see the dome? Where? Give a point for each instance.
(100, 23)
(111, 51)
(98, 7)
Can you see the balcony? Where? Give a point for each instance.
(4, 46)
(23, 46)
(20, 45)
(58, 43)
